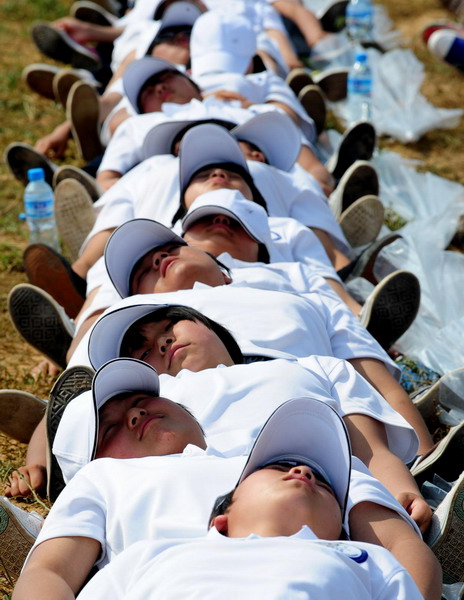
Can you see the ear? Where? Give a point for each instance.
(226, 277)
(221, 523)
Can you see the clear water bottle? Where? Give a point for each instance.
(39, 203)
(359, 89)
(359, 20)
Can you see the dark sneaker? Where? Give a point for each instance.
(20, 413)
(358, 143)
(68, 386)
(297, 79)
(41, 321)
(70, 172)
(392, 307)
(92, 13)
(48, 270)
(18, 531)
(359, 180)
(333, 16)
(333, 82)
(39, 78)
(313, 102)
(83, 110)
(22, 157)
(364, 266)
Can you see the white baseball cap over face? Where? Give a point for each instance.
(108, 332)
(139, 71)
(310, 432)
(275, 134)
(206, 145)
(128, 243)
(179, 13)
(251, 216)
(221, 42)
(74, 449)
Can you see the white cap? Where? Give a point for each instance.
(221, 42)
(251, 216)
(179, 13)
(275, 134)
(207, 145)
(137, 73)
(308, 431)
(74, 448)
(108, 332)
(160, 138)
(128, 243)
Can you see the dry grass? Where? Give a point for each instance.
(26, 117)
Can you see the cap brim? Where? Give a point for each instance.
(207, 145)
(180, 13)
(139, 71)
(128, 243)
(108, 332)
(306, 427)
(214, 209)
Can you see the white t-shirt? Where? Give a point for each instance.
(300, 566)
(122, 501)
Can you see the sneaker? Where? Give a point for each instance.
(92, 13)
(83, 110)
(448, 46)
(333, 82)
(70, 384)
(446, 459)
(74, 214)
(447, 392)
(18, 532)
(332, 17)
(87, 181)
(66, 78)
(58, 45)
(48, 270)
(391, 308)
(365, 262)
(358, 180)
(112, 6)
(22, 157)
(41, 321)
(313, 102)
(357, 143)
(39, 78)
(441, 24)
(20, 412)
(362, 221)
(297, 79)
(446, 533)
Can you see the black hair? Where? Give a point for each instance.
(154, 79)
(229, 166)
(221, 505)
(133, 338)
(263, 254)
(258, 64)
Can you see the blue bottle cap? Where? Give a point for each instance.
(360, 57)
(36, 174)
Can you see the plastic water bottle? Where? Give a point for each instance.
(39, 203)
(359, 20)
(359, 89)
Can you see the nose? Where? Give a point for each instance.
(221, 219)
(158, 257)
(218, 171)
(302, 470)
(134, 415)
(164, 342)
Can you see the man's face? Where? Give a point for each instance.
(174, 267)
(251, 152)
(215, 178)
(220, 233)
(171, 87)
(139, 425)
(282, 498)
(170, 347)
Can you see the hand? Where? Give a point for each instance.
(46, 369)
(26, 479)
(54, 144)
(80, 31)
(227, 96)
(417, 508)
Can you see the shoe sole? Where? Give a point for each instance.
(21, 157)
(83, 110)
(362, 221)
(334, 85)
(358, 143)
(446, 460)
(39, 322)
(62, 85)
(333, 19)
(448, 548)
(21, 413)
(297, 79)
(91, 15)
(39, 78)
(59, 46)
(393, 308)
(15, 543)
(74, 214)
(446, 392)
(45, 269)
(313, 103)
(72, 382)
(88, 182)
(365, 265)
